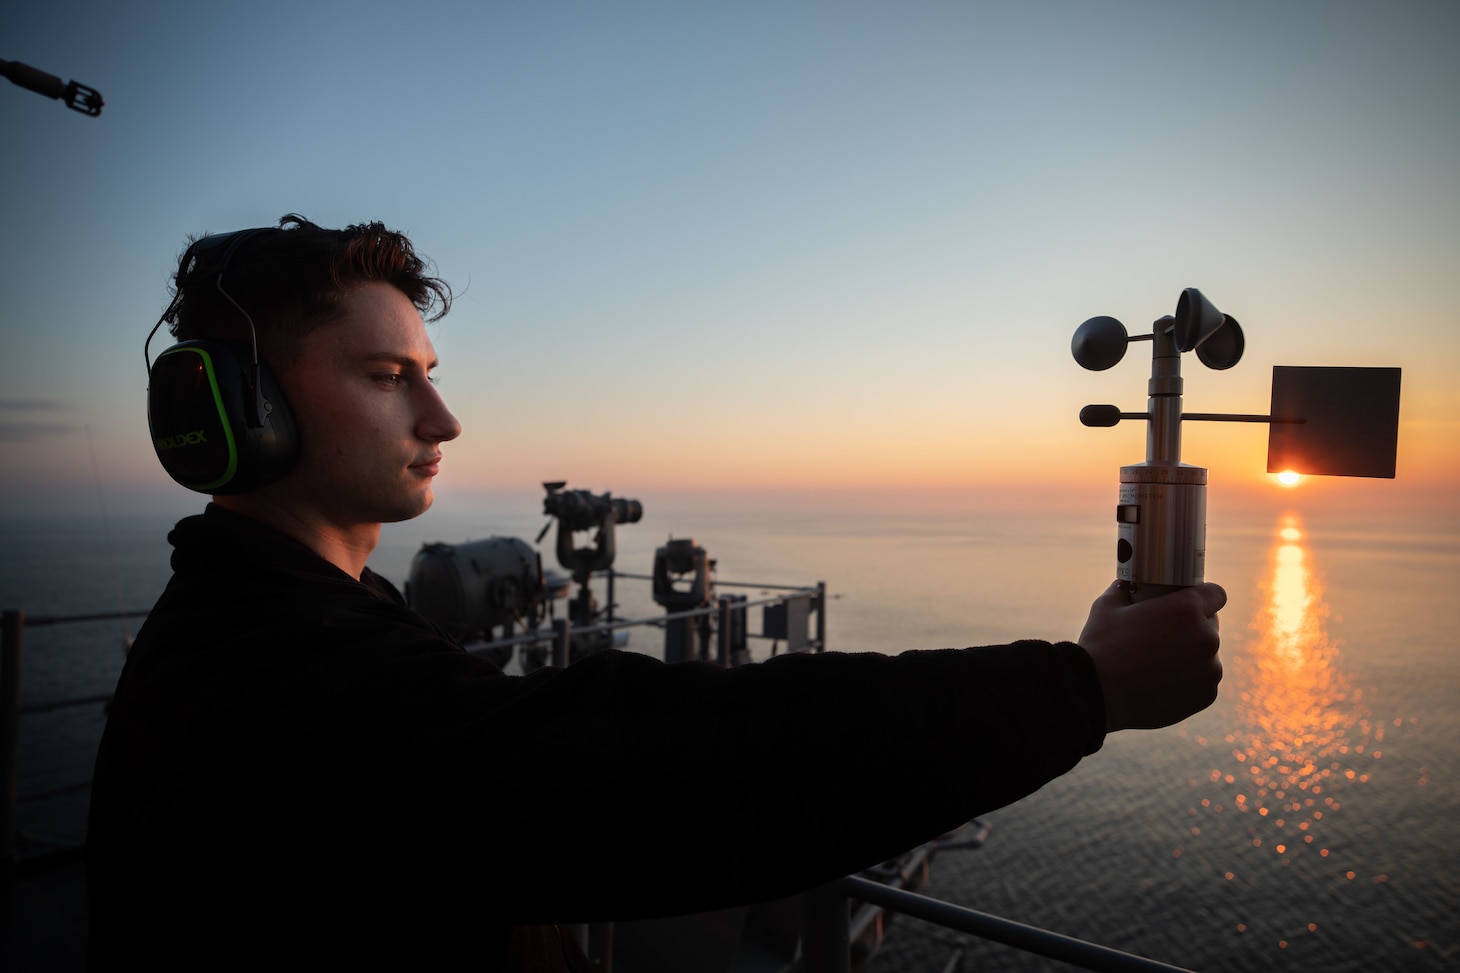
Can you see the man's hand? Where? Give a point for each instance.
(1157, 659)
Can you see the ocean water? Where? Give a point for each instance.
(1309, 820)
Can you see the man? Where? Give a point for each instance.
(297, 768)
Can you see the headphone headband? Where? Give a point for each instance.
(188, 265)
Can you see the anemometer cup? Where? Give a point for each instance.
(1196, 319)
(1223, 348)
(1099, 343)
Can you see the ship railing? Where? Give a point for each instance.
(13, 624)
(562, 632)
(830, 930)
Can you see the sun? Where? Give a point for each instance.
(1289, 478)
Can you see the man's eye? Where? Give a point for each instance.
(390, 378)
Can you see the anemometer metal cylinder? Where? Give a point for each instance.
(1161, 521)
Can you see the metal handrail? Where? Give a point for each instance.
(721, 584)
(538, 635)
(13, 624)
(555, 633)
(827, 932)
(39, 621)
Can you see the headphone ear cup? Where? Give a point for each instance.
(216, 429)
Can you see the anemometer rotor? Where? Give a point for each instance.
(1323, 421)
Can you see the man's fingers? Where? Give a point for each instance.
(1116, 595)
(1213, 598)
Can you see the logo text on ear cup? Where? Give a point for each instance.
(175, 442)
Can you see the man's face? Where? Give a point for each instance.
(370, 421)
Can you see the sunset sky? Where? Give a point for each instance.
(757, 246)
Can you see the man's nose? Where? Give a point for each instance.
(436, 423)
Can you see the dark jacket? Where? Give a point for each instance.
(297, 766)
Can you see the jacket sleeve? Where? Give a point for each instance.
(730, 785)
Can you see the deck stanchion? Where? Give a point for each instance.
(10, 653)
(562, 640)
(600, 938)
(722, 636)
(821, 616)
(826, 942)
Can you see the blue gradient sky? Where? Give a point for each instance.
(755, 245)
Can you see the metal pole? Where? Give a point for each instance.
(1089, 956)
(722, 637)
(561, 642)
(1163, 432)
(826, 943)
(821, 616)
(600, 937)
(10, 655)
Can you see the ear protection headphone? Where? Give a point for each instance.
(218, 418)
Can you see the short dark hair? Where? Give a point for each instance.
(290, 280)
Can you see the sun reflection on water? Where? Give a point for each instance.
(1302, 731)
(1298, 706)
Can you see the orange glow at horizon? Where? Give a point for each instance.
(1290, 478)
